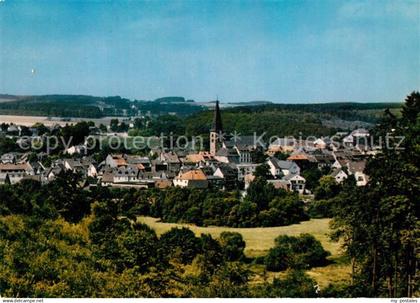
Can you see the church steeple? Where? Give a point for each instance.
(216, 130)
(217, 120)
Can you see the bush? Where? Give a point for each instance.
(137, 248)
(290, 209)
(295, 252)
(180, 244)
(296, 284)
(327, 188)
(233, 245)
(261, 193)
(277, 258)
(269, 217)
(211, 252)
(243, 214)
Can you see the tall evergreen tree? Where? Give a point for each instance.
(380, 223)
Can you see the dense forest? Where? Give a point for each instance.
(273, 120)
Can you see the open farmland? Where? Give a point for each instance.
(48, 121)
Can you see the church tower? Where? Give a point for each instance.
(216, 131)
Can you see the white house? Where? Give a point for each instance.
(126, 174)
(73, 165)
(339, 175)
(92, 171)
(76, 149)
(356, 137)
(296, 183)
(8, 158)
(357, 168)
(191, 179)
(361, 178)
(115, 161)
(320, 143)
(280, 168)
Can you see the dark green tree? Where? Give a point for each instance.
(262, 171)
(180, 244)
(379, 223)
(232, 245)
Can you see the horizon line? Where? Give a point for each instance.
(201, 101)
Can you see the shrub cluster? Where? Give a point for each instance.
(299, 252)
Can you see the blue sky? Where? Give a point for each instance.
(283, 51)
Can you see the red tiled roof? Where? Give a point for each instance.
(23, 166)
(298, 157)
(196, 174)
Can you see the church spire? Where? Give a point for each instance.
(216, 131)
(217, 120)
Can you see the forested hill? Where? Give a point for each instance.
(194, 118)
(93, 107)
(293, 119)
(275, 119)
(64, 105)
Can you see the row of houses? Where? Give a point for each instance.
(193, 170)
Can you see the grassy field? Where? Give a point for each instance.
(260, 239)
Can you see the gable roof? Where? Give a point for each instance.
(360, 132)
(227, 170)
(118, 159)
(132, 159)
(127, 171)
(74, 163)
(281, 164)
(8, 166)
(227, 152)
(195, 174)
(336, 172)
(356, 166)
(56, 170)
(194, 158)
(291, 176)
(170, 157)
(323, 157)
(298, 157)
